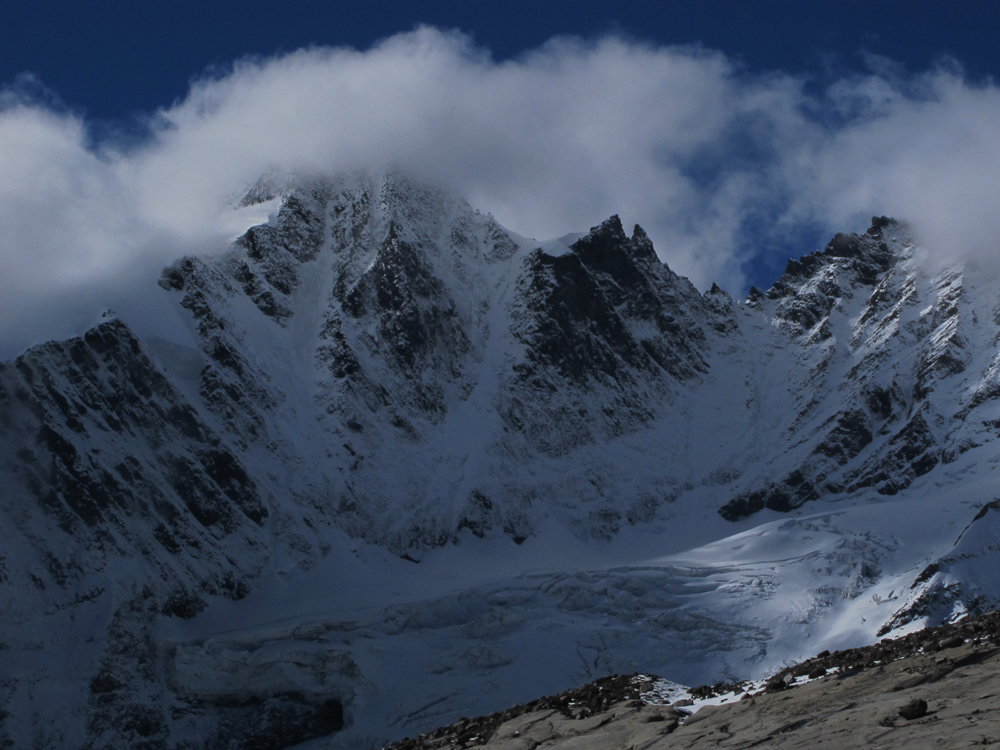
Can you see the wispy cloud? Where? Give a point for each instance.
(681, 140)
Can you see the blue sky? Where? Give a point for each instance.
(737, 133)
(114, 58)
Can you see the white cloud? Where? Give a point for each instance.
(680, 140)
(932, 157)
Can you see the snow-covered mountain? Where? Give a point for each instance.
(407, 465)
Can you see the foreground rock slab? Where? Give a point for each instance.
(938, 688)
(961, 688)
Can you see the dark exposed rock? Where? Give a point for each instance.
(880, 223)
(183, 604)
(790, 493)
(926, 574)
(480, 515)
(852, 432)
(915, 709)
(278, 722)
(982, 630)
(175, 276)
(105, 682)
(744, 505)
(861, 258)
(576, 330)
(879, 401)
(416, 319)
(592, 295)
(608, 320)
(123, 388)
(576, 704)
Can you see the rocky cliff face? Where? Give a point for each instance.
(428, 331)
(382, 364)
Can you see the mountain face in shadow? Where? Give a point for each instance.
(382, 367)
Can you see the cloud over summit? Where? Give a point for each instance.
(681, 140)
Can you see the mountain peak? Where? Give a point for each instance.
(380, 374)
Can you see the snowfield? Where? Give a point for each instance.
(471, 625)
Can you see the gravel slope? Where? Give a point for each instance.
(938, 687)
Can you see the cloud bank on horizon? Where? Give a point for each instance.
(681, 140)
